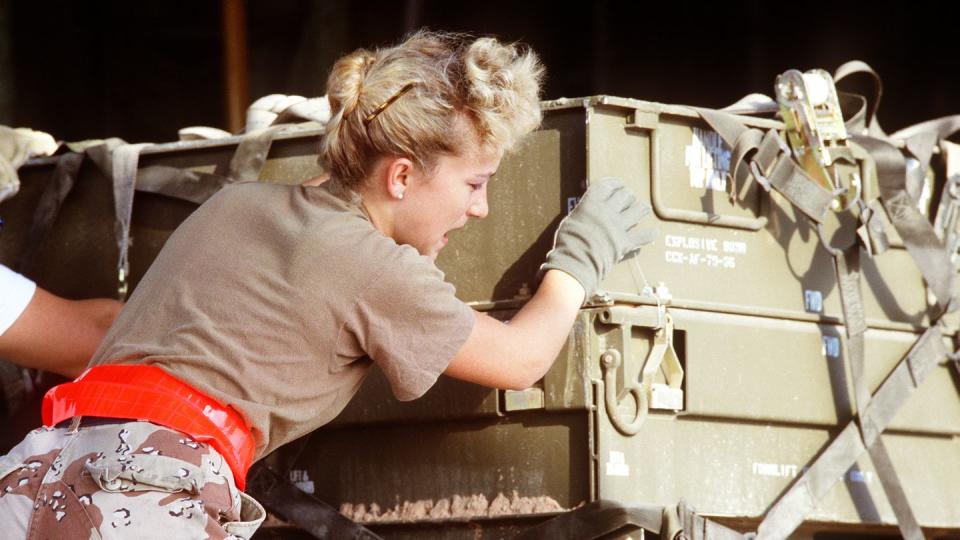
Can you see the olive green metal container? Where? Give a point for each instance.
(756, 311)
(757, 335)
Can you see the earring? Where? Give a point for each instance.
(400, 195)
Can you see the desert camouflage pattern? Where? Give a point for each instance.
(119, 479)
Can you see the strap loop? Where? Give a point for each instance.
(870, 123)
(925, 247)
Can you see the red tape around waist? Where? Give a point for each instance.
(140, 392)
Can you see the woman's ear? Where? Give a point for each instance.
(398, 176)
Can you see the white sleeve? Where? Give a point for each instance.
(16, 292)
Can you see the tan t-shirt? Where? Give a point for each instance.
(274, 299)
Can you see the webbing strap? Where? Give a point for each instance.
(694, 526)
(906, 520)
(606, 519)
(920, 141)
(753, 104)
(871, 231)
(943, 127)
(748, 141)
(868, 122)
(184, 184)
(251, 154)
(926, 354)
(307, 512)
(194, 186)
(847, 265)
(927, 250)
(188, 185)
(125, 159)
(598, 519)
(921, 147)
(48, 207)
(801, 498)
(803, 192)
(854, 109)
(778, 169)
(119, 163)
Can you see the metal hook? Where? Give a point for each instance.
(610, 360)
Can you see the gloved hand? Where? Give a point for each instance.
(600, 232)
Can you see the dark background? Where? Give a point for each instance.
(141, 70)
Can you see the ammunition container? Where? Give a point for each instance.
(757, 332)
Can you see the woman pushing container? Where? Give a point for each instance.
(265, 310)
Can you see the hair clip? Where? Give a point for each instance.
(369, 118)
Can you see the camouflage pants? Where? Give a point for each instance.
(119, 479)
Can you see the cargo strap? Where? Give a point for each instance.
(947, 218)
(607, 519)
(864, 120)
(941, 127)
(928, 251)
(599, 519)
(184, 184)
(847, 265)
(251, 154)
(801, 498)
(787, 514)
(119, 163)
(681, 522)
(48, 207)
(44, 216)
(309, 513)
(125, 160)
(765, 157)
(899, 189)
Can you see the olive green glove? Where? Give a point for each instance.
(600, 232)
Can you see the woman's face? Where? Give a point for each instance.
(434, 206)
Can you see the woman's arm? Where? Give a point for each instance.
(516, 355)
(600, 232)
(58, 335)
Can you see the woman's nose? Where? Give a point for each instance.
(479, 209)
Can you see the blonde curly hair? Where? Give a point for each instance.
(409, 100)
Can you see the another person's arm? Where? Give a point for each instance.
(58, 335)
